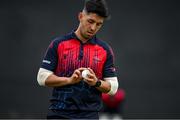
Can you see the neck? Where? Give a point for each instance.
(80, 37)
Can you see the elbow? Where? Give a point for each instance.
(113, 89)
(40, 81)
(113, 85)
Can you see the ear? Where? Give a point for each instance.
(80, 16)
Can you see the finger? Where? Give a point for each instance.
(75, 76)
(77, 72)
(91, 71)
(91, 74)
(81, 69)
(89, 80)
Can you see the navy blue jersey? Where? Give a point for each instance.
(67, 53)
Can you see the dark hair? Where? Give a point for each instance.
(96, 6)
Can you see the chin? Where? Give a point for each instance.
(88, 36)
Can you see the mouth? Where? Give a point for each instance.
(90, 33)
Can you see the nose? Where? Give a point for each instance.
(93, 27)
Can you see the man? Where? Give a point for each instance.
(74, 97)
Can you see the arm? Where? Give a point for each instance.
(47, 78)
(105, 86)
(109, 85)
(55, 81)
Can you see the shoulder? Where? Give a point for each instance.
(62, 38)
(104, 44)
(59, 39)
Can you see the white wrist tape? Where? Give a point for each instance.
(43, 75)
(114, 85)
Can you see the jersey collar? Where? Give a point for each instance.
(91, 41)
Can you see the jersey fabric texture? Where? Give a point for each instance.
(63, 56)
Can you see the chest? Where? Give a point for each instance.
(75, 54)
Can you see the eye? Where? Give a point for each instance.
(99, 24)
(90, 21)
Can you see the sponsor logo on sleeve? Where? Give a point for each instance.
(46, 61)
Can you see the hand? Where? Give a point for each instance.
(91, 79)
(76, 76)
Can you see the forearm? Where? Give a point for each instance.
(104, 87)
(48, 78)
(109, 85)
(55, 81)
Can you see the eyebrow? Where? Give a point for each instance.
(95, 21)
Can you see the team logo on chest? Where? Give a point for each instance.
(96, 59)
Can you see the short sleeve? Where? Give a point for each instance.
(109, 67)
(50, 59)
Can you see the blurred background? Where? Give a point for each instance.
(145, 37)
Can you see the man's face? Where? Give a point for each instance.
(90, 23)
